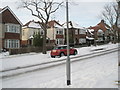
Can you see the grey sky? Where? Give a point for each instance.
(83, 12)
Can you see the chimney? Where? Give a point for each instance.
(102, 21)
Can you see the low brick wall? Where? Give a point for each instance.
(28, 50)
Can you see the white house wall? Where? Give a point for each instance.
(27, 32)
(51, 33)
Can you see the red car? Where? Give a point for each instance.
(62, 51)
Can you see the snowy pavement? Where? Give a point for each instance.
(21, 60)
(96, 72)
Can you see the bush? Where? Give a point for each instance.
(38, 40)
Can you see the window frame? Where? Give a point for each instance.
(12, 43)
(12, 28)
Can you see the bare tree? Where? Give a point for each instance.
(111, 15)
(42, 9)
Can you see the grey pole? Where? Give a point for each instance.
(68, 52)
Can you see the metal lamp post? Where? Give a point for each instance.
(68, 52)
(118, 1)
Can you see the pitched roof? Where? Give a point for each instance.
(72, 25)
(103, 26)
(7, 8)
(54, 23)
(27, 24)
(32, 24)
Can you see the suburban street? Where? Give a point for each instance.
(95, 72)
(59, 44)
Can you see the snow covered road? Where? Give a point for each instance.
(22, 60)
(96, 72)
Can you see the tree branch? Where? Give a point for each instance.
(56, 8)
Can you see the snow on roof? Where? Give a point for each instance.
(107, 27)
(72, 25)
(90, 31)
(100, 30)
(58, 26)
(65, 25)
(54, 23)
(90, 38)
(31, 37)
(75, 25)
(32, 24)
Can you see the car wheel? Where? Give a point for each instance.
(62, 54)
(53, 56)
(75, 52)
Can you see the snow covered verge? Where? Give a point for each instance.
(21, 60)
(96, 72)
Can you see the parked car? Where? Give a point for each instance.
(62, 51)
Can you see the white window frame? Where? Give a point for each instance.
(58, 41)
(13, 28)
(12, 43)
(82, 40)
(76, 32)
(82, 31)
(59, 30)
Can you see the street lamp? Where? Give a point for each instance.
(118, 2)
(68, 52)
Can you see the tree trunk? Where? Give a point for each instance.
(44, 42)
(118, 35)
(115, 36)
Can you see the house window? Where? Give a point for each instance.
(59, 41)
(76, 32)
(41, 32)
(82, 31)
(100, 39)
(12, 43)
(12, 28)
(82, 40)
(59, 31)
(23, 32)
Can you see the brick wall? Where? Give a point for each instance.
(12, 36)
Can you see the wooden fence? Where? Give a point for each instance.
(28, 50)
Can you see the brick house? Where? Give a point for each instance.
(28, 30)
(77, 34)
(10, 29)
(55, 33)
(101, 32)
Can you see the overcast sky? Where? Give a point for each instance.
(84, 12)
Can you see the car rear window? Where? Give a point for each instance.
(64, 47)
(57, 48)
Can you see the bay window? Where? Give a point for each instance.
(13, 28)
(12, 43)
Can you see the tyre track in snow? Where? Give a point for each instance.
(46, 65)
